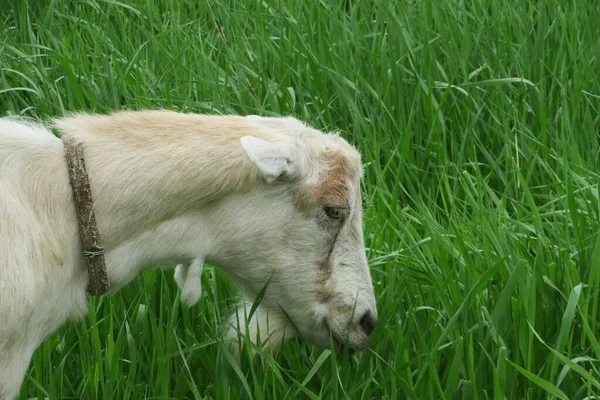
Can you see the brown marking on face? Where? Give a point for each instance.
(325, 273)
(333, 189)
(324, 284)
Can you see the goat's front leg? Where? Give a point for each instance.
(189, 279)
(268, 330)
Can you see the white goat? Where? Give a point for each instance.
(265, 199)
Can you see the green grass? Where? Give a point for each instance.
(479, 126)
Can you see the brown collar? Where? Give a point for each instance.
(93, 249)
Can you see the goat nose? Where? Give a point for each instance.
(367, 323)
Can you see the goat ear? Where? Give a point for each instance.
(271, 159)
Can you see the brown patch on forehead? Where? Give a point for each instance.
(333, 189)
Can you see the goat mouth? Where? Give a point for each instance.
(339, 344)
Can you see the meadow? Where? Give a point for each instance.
(479, 126)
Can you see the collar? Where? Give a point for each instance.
(93, 249)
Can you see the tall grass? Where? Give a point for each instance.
(479, 127)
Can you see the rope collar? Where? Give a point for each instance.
(93, 249)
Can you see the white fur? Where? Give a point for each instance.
(174, 188)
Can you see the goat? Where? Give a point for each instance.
(266, 199)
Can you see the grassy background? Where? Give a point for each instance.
(479, 126)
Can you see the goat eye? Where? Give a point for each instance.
(333, 212)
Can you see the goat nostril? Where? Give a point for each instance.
(367, 323)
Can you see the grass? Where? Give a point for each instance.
(479, 126)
